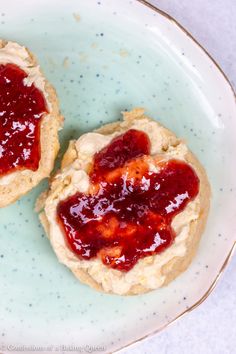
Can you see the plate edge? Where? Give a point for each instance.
(199, 302)
(181, 27)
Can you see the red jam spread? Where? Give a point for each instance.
(130, 145)
(127, 213)
(21, 110)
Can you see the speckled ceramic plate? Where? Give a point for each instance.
(103, 57)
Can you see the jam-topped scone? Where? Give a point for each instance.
(126, 211)
(29, 123)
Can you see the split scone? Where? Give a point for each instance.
(126, 211)
(29, 123)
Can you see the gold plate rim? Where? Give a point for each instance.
(199, 302)
(232, 250)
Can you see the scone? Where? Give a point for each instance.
(29, 123)
(127, 209)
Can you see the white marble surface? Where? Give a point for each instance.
(211, 328)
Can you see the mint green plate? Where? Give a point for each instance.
(103, 57)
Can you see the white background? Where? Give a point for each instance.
(211, 328)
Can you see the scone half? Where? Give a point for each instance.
(152, 271)
(18, 179)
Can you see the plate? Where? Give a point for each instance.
(104, 57)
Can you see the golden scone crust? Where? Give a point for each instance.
(22, 182)
(176, 265)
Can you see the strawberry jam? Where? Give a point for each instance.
(21, 110)
(123, 148)
(127, 213)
